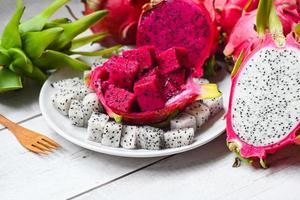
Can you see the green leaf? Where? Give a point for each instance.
(37, 75)
(9, 80)
(53, 60)
(237, 64)
(209, 67)
(76, 43)
(35, 43)
(56, 22)
(20, 60)
(262, 16)
(38, 22)
(4, 57)
(103, 52)
(11, 37)
(73, 29)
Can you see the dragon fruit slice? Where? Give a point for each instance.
(122, 71)
(150, 138)
(129, 136)
(120, 23)
(179, 23)
(145, 56)
(96, 126)
(177, 78)
(76, 113)
(215, 105)
(178, 138)
(200, 111)
(119, 99)
(112, 134)
(148, 93)
(171, 60)
(90, 104)
(183, 120)
(169, 90)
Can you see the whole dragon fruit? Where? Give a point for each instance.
(263, 114)
(148, 96)
(244, 35)
(120, 23)
(179, 23)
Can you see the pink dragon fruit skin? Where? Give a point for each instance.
(145, 56)
(180, 23)
(122, 72)
(235, 143)
(244, 36)
(148, 93)
(119, 99)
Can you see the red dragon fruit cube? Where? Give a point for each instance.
(119, 99)
(171, 60)
(170, 90)
(145, 56)
(148, 93)
(122, 72)
(177, 78)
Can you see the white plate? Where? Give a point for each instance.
(77, 135)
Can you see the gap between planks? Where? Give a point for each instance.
(118, 178)
(24, 120)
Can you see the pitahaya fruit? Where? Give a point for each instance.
(169, 90)
(178, 138)
(215, 105)
(263, 114)
(129, 136)
(122, 71)
(199, 111)
(76, 113)
(90, 105)
(68, 83)
(183, 120)
(179, 23)
(119, 99)
(96, 126)
(150, 138)
(112, 134)
(244, 35)
(120, 23)
(146, 102)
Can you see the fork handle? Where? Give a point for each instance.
(7, 123)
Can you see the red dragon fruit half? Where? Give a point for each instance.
(263, 114)
(179, 23)
(120, 23)
(244, 35)
(149, 94)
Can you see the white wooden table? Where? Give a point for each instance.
(76, 173)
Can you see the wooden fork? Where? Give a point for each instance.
(31, 140)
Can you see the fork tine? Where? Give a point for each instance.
(46, 144)
(50, 141)
(35, 149)
(41, 147)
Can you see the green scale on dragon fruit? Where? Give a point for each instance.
(122, 72)
(148, 93)
(112, 134)
(119, 99)
(199, 111)
(129, 136)
(179, 23)
(96, 126)
(183, 120)
(76, 113)
(150, 138)
(178, 137)
(263, 113)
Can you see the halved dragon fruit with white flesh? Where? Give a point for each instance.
(147, 95)
(264, 114)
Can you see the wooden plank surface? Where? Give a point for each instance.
(207, 173)
(63, 174)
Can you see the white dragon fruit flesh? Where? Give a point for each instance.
(199, 111)
(96, 126)
(215, 105)
(150, 138)
(112, 134)
(76, 113)
(128, 137)
(178, 137)
(90, 104)
(183, 120)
